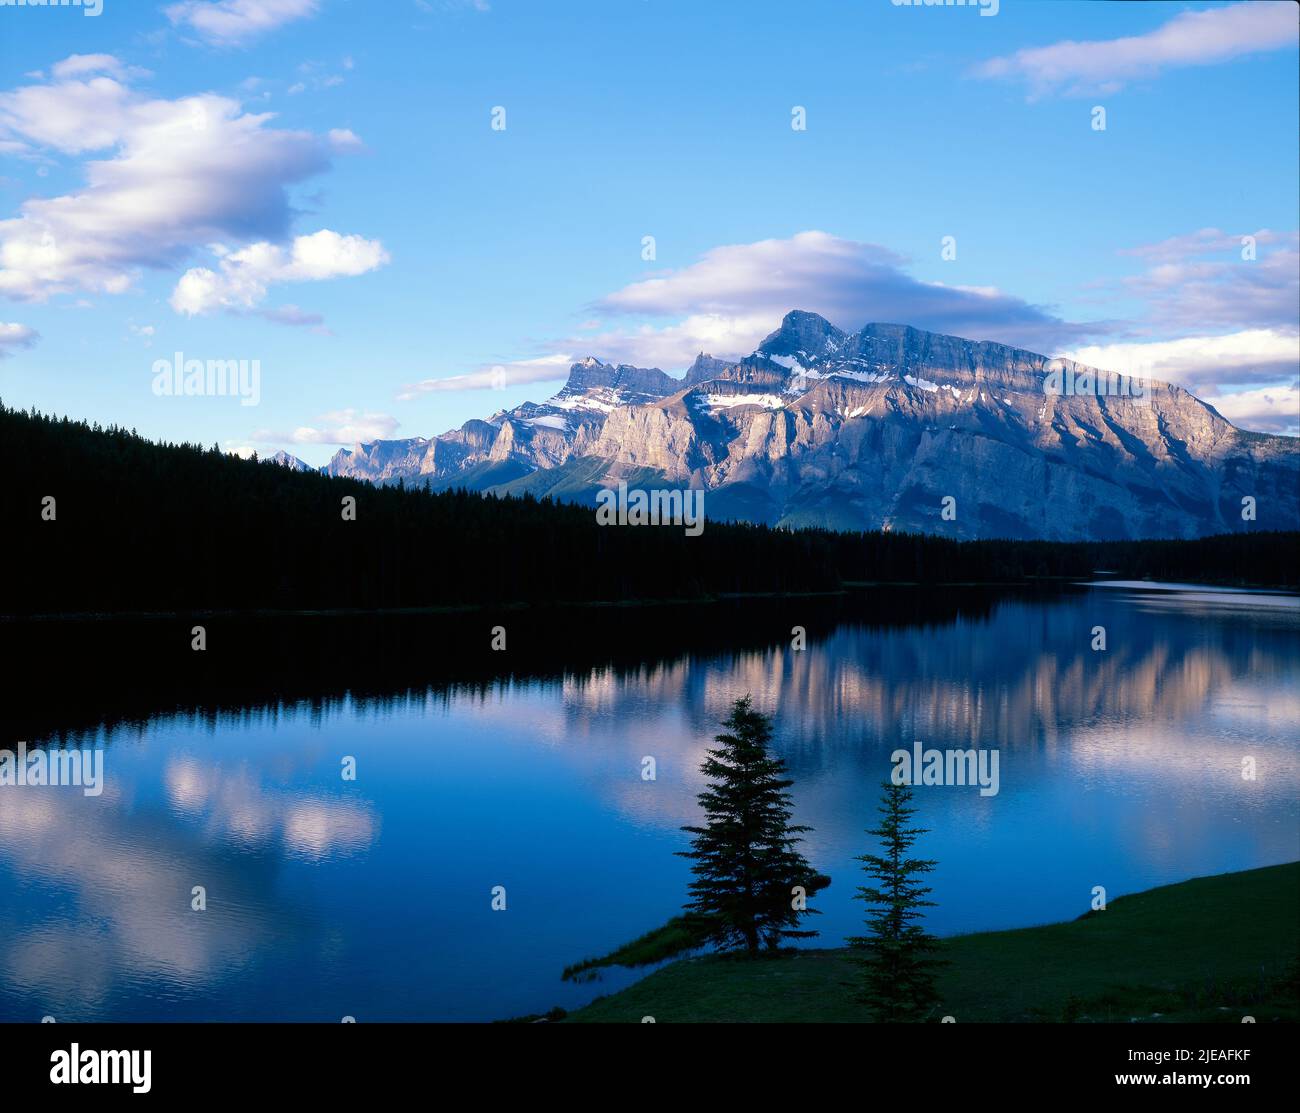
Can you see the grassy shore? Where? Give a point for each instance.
(1206, 950)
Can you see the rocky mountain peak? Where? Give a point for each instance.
(591, 374)
(874, 430)
(288, 460)
(802, 332)
(705, 368)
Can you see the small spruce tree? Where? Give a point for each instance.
(746, 865)
(898, 955)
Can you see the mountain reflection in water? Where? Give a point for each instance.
(371, 898)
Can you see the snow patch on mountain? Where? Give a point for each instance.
(727, 401)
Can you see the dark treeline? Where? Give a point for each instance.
(146, 527)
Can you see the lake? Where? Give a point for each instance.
(372, 897)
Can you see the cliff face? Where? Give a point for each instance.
(876, 429)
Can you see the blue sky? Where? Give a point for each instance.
(317, 185)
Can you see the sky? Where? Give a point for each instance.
(411, 213)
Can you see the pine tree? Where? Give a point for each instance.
(898, 961)
(747, 869)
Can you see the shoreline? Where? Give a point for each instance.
(849, 587)
(1208, 949)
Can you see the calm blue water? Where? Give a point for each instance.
(372, 898)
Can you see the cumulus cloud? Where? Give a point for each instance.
(85, 111)
(1202, 364)
(15, 337)
(729, 300)
(338, 427)
(735, 295)
(497, 376)
(242, 277)
(236, 22)
(1269, 409)
(177, 174)
(1191, 38)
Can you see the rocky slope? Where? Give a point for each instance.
(877, 429)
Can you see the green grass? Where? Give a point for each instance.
(678, 935)
(1211, 949)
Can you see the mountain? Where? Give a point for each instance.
(875, 430)
(285, 460)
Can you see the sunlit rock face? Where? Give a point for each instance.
(884, 428)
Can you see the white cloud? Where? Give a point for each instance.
(338, 427)
(1269, 409)
(1201, 363)
(1201, 281)
(675, 346)
(729, 300)
(293, 315)
(1249, 376)
(144, 332)
(77, 65)
(1204, 241)
(316, 77)
(235, 22)
(176, 174)
(1191, 38)
(344, 140)
(88, 112)
(548, 368)
(762, 275)
(244, 275)
(15, 337)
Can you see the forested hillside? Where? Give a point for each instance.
(139, 526)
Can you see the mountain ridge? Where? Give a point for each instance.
(876, 429)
